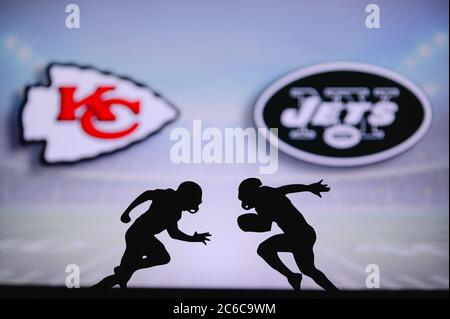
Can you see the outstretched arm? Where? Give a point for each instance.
(176, 233)
(145, 196)
(315, 188)
(293, 188)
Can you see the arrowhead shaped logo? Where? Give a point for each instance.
(83, 113)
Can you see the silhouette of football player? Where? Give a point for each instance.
(143, 249)
(272, 205)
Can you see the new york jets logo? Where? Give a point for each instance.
(344, 114)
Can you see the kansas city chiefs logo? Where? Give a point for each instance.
(83, 113)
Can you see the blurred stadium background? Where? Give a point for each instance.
(212, 60)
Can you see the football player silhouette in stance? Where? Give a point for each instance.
(272, 205)
(143, 249)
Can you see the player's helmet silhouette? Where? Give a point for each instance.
(247, 190)
(190, 196)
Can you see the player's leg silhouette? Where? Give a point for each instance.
(143, 249)
(272, 205)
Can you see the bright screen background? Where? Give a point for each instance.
(212, 59)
